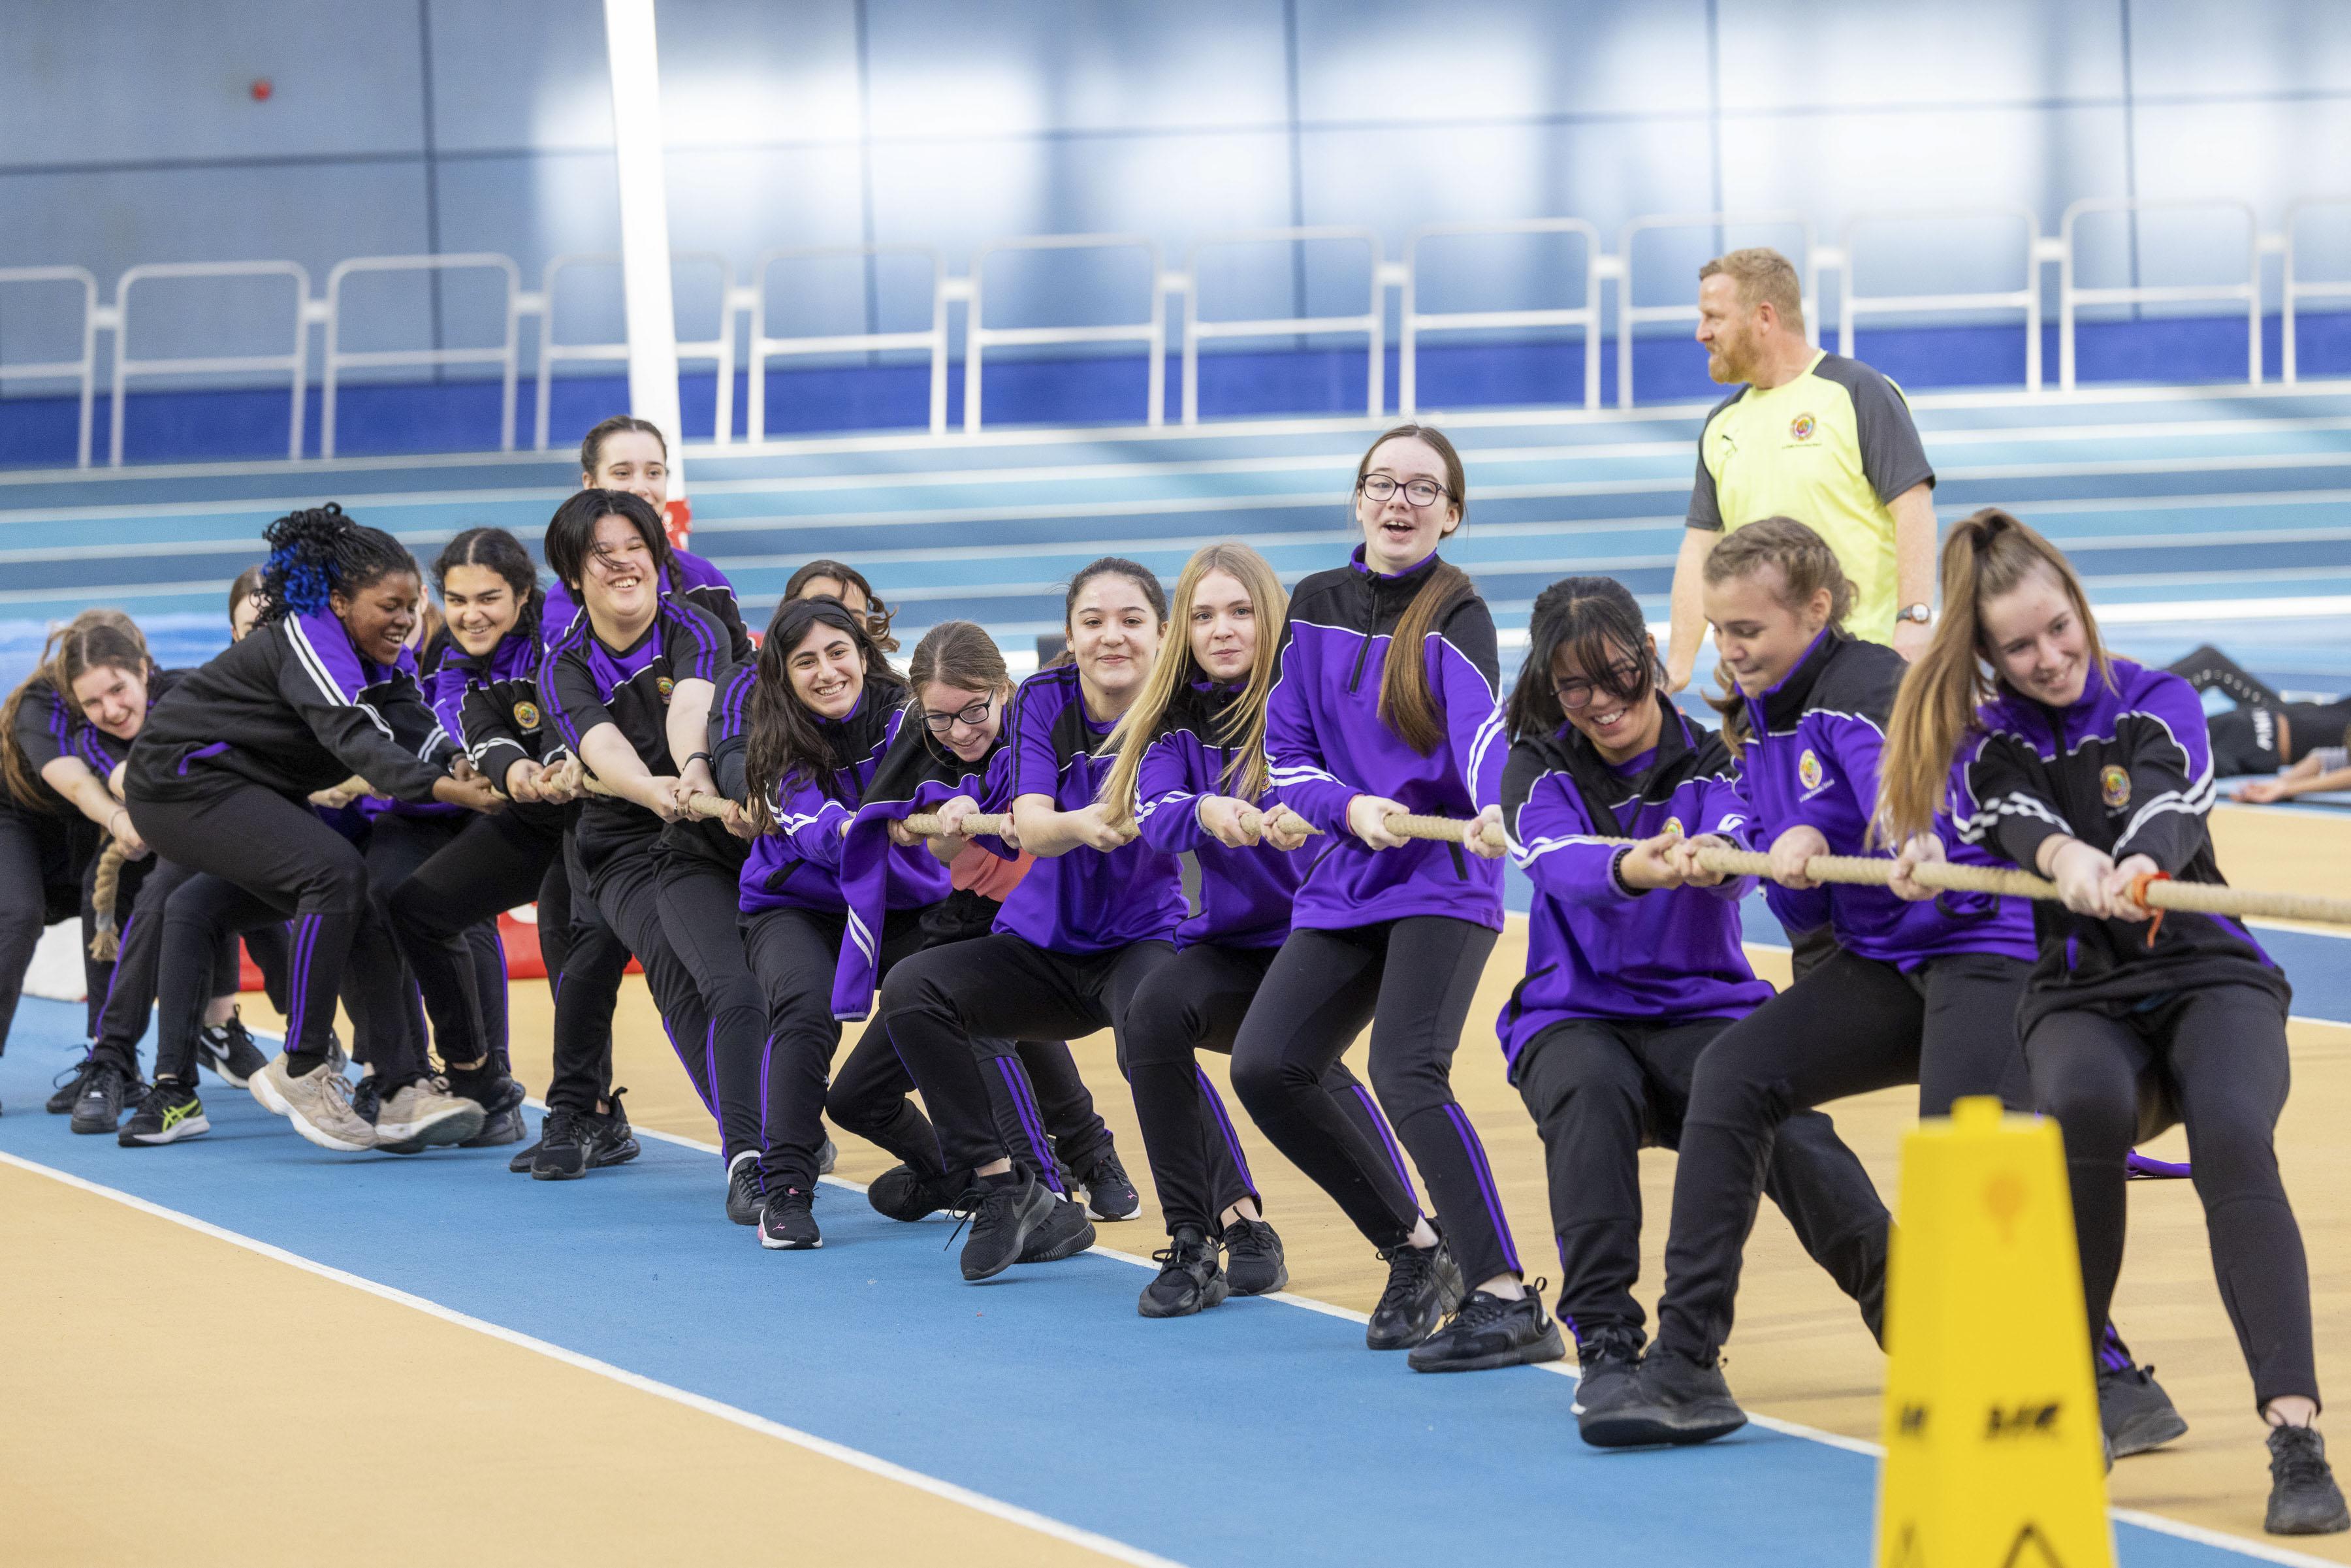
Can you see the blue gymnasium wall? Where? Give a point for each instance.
(127, 135)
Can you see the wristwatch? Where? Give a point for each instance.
(1922, 613)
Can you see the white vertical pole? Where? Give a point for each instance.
(644, 224)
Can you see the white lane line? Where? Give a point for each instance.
(980, 1502)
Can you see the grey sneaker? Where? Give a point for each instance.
(318, 1103)
(425, 1113)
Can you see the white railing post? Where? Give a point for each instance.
(292, 364)
(1629, 315)
(719, 349)
(933, 339)
(2296, 288)
(502, 355)
(1852, 303)
(1371, 324)
(84, 369)
(1152, 332)
(1416, 321)
(2071, 295)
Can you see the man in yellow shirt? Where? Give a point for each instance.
(1810, 435)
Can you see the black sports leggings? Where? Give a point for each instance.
(42, 862)
(146, 891)
(1413, 981)
(701, 919)
(1850, 1026)
(624, 889)
(950, 1010)
(287, 862)
(2208, 669)
(2213, 1057)
(398, 844)
(1196, 1003)
(1600, 1091)
(793, 952)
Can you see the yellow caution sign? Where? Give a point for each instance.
(1994, 1457)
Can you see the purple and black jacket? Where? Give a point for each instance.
(1245, 894)
(1596, 948)
(690, 579)
(1818, 738)
(1325, 745)
(2127, 768)
(295, 707)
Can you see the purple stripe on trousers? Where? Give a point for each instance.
(114, 975)
(1388, 1138)
(1477, 1151)
(707, 1104)
(1028, 1093)
(767, 1060)
(1014, 1086)
(1224, 1126)
(297, 984)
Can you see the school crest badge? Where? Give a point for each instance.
(1801, 427)
(525, 715)
(1808, 772)
(2114, 788)
(662, 684)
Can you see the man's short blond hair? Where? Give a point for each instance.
(1763, 276)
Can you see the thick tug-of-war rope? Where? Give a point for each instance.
(713, 807)
(106, 887)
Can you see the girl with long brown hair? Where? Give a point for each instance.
(1385, 701)
(2097, 773)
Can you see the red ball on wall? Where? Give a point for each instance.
(261, 90)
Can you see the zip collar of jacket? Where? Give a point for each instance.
(1779, 708)
(1389, 593)
(1679, 754)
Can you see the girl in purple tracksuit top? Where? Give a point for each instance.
(1191, 769)
(1074, 941)
(2093, 773)
(1917, 993)
(1390, 931)
(1633, 966)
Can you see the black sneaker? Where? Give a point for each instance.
(524, 1158)
(744, 1198)
(2303, 1498)
(497, 1127)
(562, 1148)
(616, 1141)
(787, 1223)
(1424, 1284)
(1064, 1233)
(905, 1193)
(230, 1051)
(167, 1115)
(1253, 1258)
(1491, 1331)
(105, 1091)
(1189, 1280)
(1006, 1209)
(2133, 1409)
(827, 1156)
(68, 1084)
(1610, 1359)
(1674, 1400)
(1109, 1194)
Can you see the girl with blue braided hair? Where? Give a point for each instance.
(219, 779)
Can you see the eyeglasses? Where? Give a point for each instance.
(1576, 693)
(1419, 492)
(975, 715)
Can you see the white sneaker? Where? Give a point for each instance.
(425, 1112)
(318, 1103)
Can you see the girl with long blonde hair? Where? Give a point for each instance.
(1191, 774)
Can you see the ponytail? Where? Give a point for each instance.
(318, 552)
(1986, 556)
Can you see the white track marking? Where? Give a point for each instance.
(978, 1501)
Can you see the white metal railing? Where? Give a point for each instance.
(2070, 296)
(934, 337)
(1852, 304)
(2295, 288)
(1372, 323)
(719, 349)
(501, 354)
(1152, 332)
(1413, 321)
(83, 369)
(1629, 316)
(290, 364)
